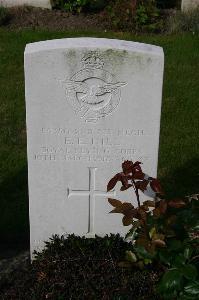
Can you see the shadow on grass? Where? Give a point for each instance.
(183, 181)
(14, 220)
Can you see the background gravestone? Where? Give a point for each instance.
(37, 3)
(189, 4)
(91, 104)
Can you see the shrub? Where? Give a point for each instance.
(164, 232)
(74, 6)
(184, 21)
(77, 6)
(135, 15)
(4, 15)
(79, 268)
(95, 5)
(119, 14)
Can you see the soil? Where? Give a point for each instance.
(56, 20)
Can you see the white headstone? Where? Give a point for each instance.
(91, 104)
(36, 3)
(189, 4)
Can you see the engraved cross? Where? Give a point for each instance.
(91, 193)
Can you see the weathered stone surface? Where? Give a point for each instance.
(91, 104)
(189, 4)
(36, 3)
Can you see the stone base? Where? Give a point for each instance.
(189, 4)
(36, 3)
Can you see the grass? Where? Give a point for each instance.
(179, 143)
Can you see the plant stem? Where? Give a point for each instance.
(136, 193)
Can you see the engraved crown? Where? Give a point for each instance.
(93, 60)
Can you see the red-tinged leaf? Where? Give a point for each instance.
(131, 213)
(113, 182)
(124, 180)
(149, 203)
(144, 207)
(142, 222)
(136, 165)
(143, 241)
(135, 214)
(128, 209)
(127, 167)
(125, 208)
(127, 221)
(159, 243)
(117, 210)
(142, 185)
(137, 171)
(114, 202)
(162, 206)
(176, 203)
(156, 212)
(142, 214)
(124, 188)
(155, 185)
(138, 175)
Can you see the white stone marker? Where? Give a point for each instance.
(91, 104)
(36, 3)
(187, 5)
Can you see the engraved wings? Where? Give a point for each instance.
(108, 88)
(83, 87)
(76, 86)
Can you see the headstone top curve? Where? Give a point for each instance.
(87, 42)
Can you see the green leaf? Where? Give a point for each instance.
(164, 256)
(196, 227)
(192, 289)
(179, 260)
(174, 245)
(147, 261)
(188, 252)
(189, 271)
(130, 256)
(152, 232)
(142, 253)
(131, 233)
(172, 280)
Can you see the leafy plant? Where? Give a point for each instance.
(79, 268)
(135, 15)
(77, 6)
(73, 6)
(164, 232)
(95, 5)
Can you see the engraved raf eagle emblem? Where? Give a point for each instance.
(93, 92)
